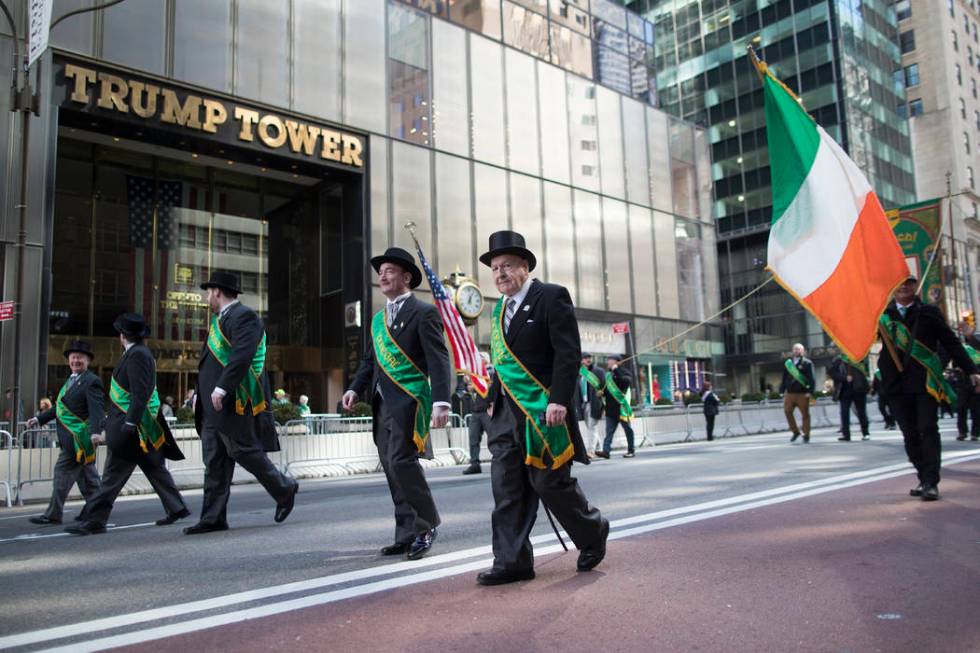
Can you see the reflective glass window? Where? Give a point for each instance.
(481, 16)
(316, 59)
(450, 106)
(610, 143)
(552, 103)
(380, 221)
(202, 32)
(454, 223)
(262, 64)
(583, 131)
(525, 209)
(619, 290)
(411, 192)
(658, 139)
(571, 13)
(682, 171)
(637, 167)
(525, 30)
(702, 162)
(364, 65)
(487, 86)
(408, 74)
(571, 50)
(588, 239)
(133, 34)
(612, 69)
(559, 234)
(490, 203)
(72, 34)
(644, 271)
(522, 113)
(666, 252)
(689, 271)
(610, 12)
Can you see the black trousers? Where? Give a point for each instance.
(415, 509)
(114, 476)
(517, 489)
(220, 452)
(479, 424)
(613, 421)
(67, 472)
(709, 426)
(885, 411)
(968, 406)
(918, 417)
(860, 402)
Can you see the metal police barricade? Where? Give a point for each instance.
(37, 453)
(7, 442)
(190, 471)
(328, 439)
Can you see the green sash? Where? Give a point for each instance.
(936, 383)
(796, 374)
(625, 410)
(249, 391)
(149, 430)
(974, 354)
(853, 363)
(84, 449)
(532, 398)
(404, 373)
(592, 379)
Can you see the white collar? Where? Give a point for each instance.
(224, 309)
(905, 306)
(519, 296)
(128, 345)
(400, 298)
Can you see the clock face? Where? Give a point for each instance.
(469, 301)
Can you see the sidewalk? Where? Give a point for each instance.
(866, 568)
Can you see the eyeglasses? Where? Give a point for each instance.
(503, 267)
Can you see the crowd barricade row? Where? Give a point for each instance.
(331, 444)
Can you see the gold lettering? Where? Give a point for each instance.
(302, 136)
(264, 124)
(143, 109)
(113, 92)
(247, 118)
(352, 151)
(186, 115)
(214, 114)
(83, 77)
(331, 140)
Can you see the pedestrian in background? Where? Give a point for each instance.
(851, 389)
(479, 419)
(304, 406)
(590, 400)
(967, 401)
(883, 408)
(711, 403)
(797, 386)
(189, 399)
(167, 408)
(618, 409)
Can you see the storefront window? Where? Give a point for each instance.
(202, 33)
(411, 189)
(454, 222)
(490, 201)
(409, 97)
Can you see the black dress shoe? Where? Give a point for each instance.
(205, 527)
(602, 454)
(472, 469)
(930, 493)
(866, 436)
(806, 439)
(504, 576)
(43, 520)
(591, 556)
(171, 518)
(916, 491)
(421, 545)
(844, 438)
(86, 528)
(793, 439)
(283, 509)
(629, 454)
(396, 549)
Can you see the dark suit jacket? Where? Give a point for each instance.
(623, 380)
(243, 328)
(592, 395)
(711, 404)
(418, 331)
(85, 398)
(927, 325)
(546, 340)
(789, 384)
(839, 370)
(136, 371)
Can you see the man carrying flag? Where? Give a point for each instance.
(912, 378)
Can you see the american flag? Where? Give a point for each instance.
(466, 357)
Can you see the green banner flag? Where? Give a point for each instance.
(916, 227)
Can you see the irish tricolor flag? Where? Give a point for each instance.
(830, 244)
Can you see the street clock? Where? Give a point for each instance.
(466, 295)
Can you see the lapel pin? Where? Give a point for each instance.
(527, 307)
(401, 325)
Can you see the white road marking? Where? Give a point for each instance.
(701, 511)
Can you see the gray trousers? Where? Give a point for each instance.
(415, 509)
(114, 476)
(518, 487)
(479, 424)
(67, 472)
(221, 452)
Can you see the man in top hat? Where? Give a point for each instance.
(408, 348)
(618, 409)
(79, 412)
(136, 433)
(912, 378)
(534, 436)
(590, 402)
(232, 396)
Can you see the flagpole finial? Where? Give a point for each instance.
(410, 227)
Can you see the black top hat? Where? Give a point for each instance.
(508, 242)
(223, 281)
(80, 347)
(131, 325)
(403, 259)
(614, 357)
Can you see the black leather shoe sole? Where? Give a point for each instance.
(169, 519)
(86, 529)
(916, 491)
(283, 511)
(396, 549)
(492, 577)
(200, 527)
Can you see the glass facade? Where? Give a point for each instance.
(478, 116)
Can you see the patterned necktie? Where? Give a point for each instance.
(509, 310)
(393, 311)
(902, 309)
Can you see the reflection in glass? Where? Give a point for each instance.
(609, 12)
(133, 34)
(525, 209)
(683, 174)
(610, 143)
(554, 127)
(453, 220)
(644, 277)
(666, 252)
(450, 106)
(559, 232)
(364, 65)
(490, 202)
(202, 32)
(522, 113)
(612, 69)
(316, 64)
(525, 30)
(411, 192)
(262, 64)
(571, 13)
(657, 137)
(689, 271)
(571, 50)
(583, 132)
(380, 223)
(481, 16)
(588, 238)
(408, 76)
(616, 238)
(73, 34)
(487, 87)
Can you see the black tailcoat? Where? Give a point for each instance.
(86, 399)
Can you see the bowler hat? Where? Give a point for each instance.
(402, 259)
(131, 325)
(508, 242)
(223, 281)
(80, 347)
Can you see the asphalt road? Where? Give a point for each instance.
(140, 578)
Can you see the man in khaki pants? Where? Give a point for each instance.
(797, 385)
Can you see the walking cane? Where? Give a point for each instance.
(553, 527)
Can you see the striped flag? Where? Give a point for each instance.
(830, 244)
(466, 356)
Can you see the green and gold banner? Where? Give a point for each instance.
(150, 432)
(404, 373)
(917, 228)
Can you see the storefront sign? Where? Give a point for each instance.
(6, 311)
(99, 91)
(621, 327)
(598, 338)
(39, 16)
